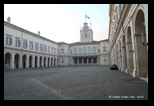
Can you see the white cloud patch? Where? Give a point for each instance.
(100, 33)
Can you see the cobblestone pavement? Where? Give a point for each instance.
(73, 83)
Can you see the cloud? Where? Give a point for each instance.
(100, 33)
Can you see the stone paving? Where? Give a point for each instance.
(73, 83)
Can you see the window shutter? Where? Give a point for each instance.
(19, 43)
(10, 41)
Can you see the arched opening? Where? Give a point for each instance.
(129, 53)
(16, 61)
(24, 61)
(57, 61)
(54, 61)
(30, 61)
(40, 61)
(36, 61)
(85, 60)
(48, 61)
(89, 60)
(51, 61)
(44, 61)
(80, 60)
(95, 60)
(8, 60)
(142, 53)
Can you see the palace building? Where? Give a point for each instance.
(126, 46)
(128, 38)
(25, 49)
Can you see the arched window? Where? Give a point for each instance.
(80, 51)
(89, 50)
(104, 49)
(94, 50)
(75, 51)
(84, 50)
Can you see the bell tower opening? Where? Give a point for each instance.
(86, 34)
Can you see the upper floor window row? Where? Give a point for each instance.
(8, 40)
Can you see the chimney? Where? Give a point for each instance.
(38, 32)
(9, 20)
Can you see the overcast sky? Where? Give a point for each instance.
(60, 22)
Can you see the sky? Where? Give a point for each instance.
(60, 22)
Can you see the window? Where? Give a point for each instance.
(54, 50)
(75, 51)
(45, 48)
(25, 44)
(80, 51)
(94, 50)
(104, 49)
(48, 49)
(36, 46)
(85, 35)
(31, 45)
(41, 47)
(84, 50)
(8, 40)
(51, 49)
(17, 42)
(89, 50)
(62, 50)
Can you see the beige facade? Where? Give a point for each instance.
(24, 49)
(128, 38)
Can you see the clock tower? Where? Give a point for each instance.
(86, 34)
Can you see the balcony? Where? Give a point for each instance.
(85, 55)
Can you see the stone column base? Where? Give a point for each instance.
(135, 73)
(147, 78)
(127, 70)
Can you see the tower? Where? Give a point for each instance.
(86, 34)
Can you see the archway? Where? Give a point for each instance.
(48, 61)
(40, 61)
(8, 60)
(44, 61)
(16, 61)
(30, 61)
(142, 53)
(35, 61)
(24, 61)
(51, 61)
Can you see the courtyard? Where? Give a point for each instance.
(73, 83)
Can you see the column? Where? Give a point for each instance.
(56, 62)
(12, 61)
(33, 60)
(49, 62)
(135, 71)
(127, 57)
(20, 61)
(77, 60)
(92, 60)
(53, 62)
(46, 62)
(42, 61)
(27, 61)
(82, 61)
(38, 61)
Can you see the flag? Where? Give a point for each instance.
(90, 23)
(86, 16)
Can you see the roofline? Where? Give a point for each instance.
(24, 30)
